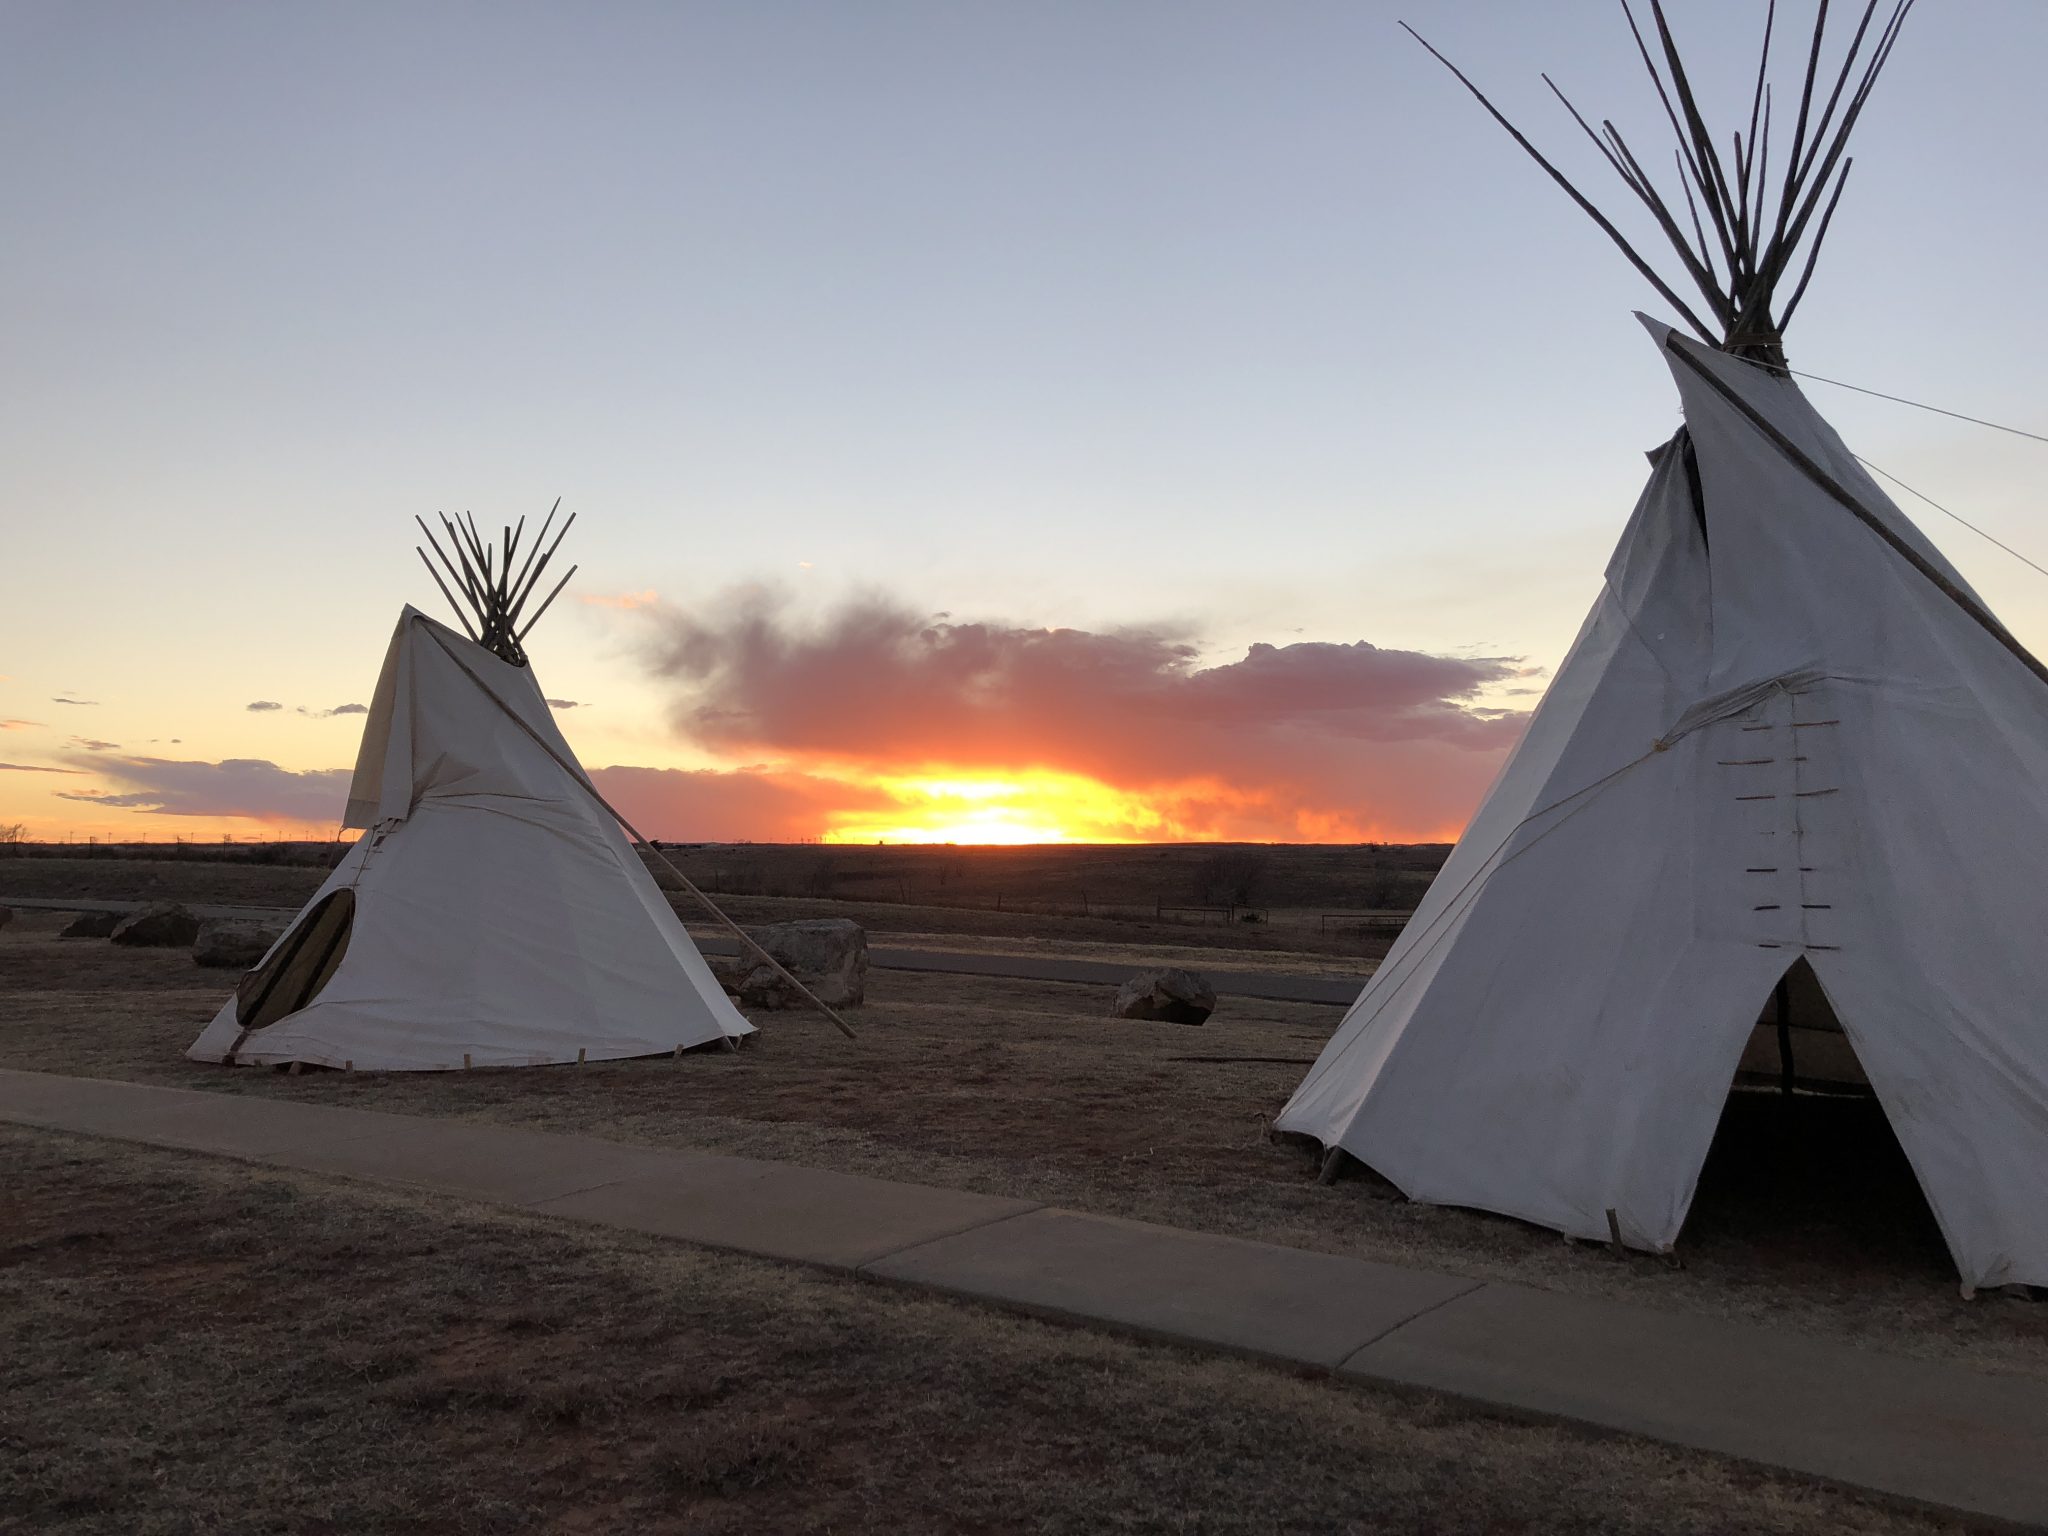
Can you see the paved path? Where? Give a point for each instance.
(1340, 991)
(1925, 1431)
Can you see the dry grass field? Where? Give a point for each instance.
(199, 1346)
(1172, 895)
(1809, 1221)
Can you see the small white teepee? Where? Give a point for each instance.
(492, 914)
(1789, 736)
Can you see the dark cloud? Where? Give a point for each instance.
(876, 679)
(566, 704)
(339, 709)
(95, 746)
(1300, 739)
(245, 787)
(35, 768)
(263, 705)
(730, 805)
(81, 703)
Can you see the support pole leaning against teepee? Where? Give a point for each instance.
(590, 789)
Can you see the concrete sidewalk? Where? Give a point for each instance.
(1337, 991)
(1933, 1433)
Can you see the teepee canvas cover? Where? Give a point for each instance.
(1774, 738)
(491, 914)
(1788, 735)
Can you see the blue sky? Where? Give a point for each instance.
(1239, 320)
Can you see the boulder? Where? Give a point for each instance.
(234, 943)
(91, 925)
(160, 925)
(829, 955)
(1170, 995)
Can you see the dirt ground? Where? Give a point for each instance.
(195, 1345)
(1807, 1215)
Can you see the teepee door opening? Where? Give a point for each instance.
(1805, 1170)
(293, 973)
(1798, 1044)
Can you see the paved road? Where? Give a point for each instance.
(1337, 991)
(1930, 1431)
(48, 904)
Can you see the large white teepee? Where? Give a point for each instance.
(491, 914)
(1774, 739)
(1789, 736)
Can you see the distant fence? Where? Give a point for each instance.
(1167, 912)
(1367, 924)
(314, 852)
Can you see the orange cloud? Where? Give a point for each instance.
(715, 805)
(626, 601)
(1037, 734)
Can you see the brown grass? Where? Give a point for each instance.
(782, 883)
(159, 880)
(199, 1346)
(1028, 1089)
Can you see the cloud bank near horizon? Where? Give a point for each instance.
(234, 789)
(1310, 740)
(872, 719)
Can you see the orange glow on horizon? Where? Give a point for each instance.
(1028, 806)
(930, 805)
(1039, 805)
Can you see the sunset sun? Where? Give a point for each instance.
(1028, 806)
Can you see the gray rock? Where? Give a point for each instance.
(234, 943)
(91, 925)
(160, 925)
(1170, 995)
(829, 955)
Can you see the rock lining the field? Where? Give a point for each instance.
(1168, 995)
(829, 955)
(161, 925)
(234, 943)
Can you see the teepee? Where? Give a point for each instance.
(492, 913)
(1788, 743)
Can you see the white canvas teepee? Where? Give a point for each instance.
(492, 914)
(1774, 739)
(1788, 733)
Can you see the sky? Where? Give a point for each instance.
(985, 421)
